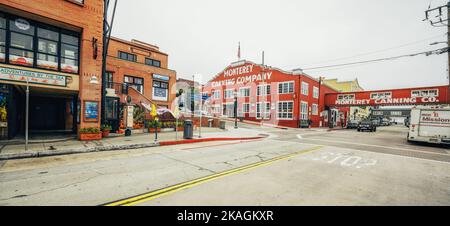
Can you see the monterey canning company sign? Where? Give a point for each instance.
(381, 101)
(241, 75)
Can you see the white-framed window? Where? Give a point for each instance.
(425, 93)
(216, 94)
(304, 110)
(245, 107)
(260, 110)
(263, 90)
(315, 92)
(305, 88)
(346, 97)
(315, 109)
(228, 93)
(285, 110)
(244, 92)
(381, 95)
(285, 87)
(215, 109)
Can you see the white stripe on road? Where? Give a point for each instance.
(369, 145)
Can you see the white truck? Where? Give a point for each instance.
(430, 124)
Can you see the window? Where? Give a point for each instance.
(425, 93)
(305, 88)
(244, 92)
(216, 94)
(160, 90)
(127, 56)
(381, 95)
(228, 93)
(215, 109)
(315, 109)
(285, 87)
(38, 45)
(245, 108)
(304, 110)
(285, 109)
(136, 83)
(2, 38)
(109, 80)
(261, 111)
(315, 92)
(152, 62)
(263, 90)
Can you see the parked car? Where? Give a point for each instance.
(430, 124)
(367, 125)
(376, 122)
(385, 122)
(352, 124)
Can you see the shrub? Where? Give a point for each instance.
(90, 130)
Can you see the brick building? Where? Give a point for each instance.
(55, 46)
(139, 70)
(272, 95)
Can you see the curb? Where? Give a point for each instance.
(167, 143)
(117, 147)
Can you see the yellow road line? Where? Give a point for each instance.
(165, 191)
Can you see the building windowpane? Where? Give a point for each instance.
(21, 41)
(2, 21)
(21, 25)
(69, 39)
(48, 34)
(69, 65)
(69, 51)
(47, 61)
(22, 57)
(49, 47)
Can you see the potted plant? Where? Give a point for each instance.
(90, 133)
(105, 130)
(180, 126)
(154, 125)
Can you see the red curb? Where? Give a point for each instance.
(175, 142)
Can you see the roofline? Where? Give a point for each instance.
(386, 90)
(150, 47)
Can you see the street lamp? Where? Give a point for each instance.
(235, 109)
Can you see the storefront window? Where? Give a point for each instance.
(136, 83)
(37, 45)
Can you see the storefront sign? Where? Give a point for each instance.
(22, 24)
(161, 77)
(32, 77)
(236, 76)
(406, 100)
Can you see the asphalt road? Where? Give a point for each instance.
(291, 167)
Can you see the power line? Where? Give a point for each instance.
(381, 50)
(427, 53)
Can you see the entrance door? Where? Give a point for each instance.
(46, 113)
(112, 112)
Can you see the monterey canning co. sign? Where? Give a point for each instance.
(381, 101)
(25, 76)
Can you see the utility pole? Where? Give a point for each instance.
(439, 9)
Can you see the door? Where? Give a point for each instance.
(112, 112)
(46, 113)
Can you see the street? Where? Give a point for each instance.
(290, 167)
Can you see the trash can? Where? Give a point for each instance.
(188, 132)
(222, 124)
(210, 122)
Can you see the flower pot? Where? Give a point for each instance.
(90, 136)
(152, 130)
(105, 133)
(180, 128)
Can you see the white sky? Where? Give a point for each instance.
(201, 36)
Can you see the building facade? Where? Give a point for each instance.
(271, 95)
(54, 47)
(138, 70)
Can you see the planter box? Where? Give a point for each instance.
(180, 129)
(90, 136)
(152, 130)
(105, 133)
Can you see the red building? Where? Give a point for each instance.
(284, 98)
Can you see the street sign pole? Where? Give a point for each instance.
(27, 102)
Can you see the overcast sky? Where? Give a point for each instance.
(201, 36)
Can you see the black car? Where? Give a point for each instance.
(367, 125)
(352, 124)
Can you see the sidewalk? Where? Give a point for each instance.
(138, 140)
